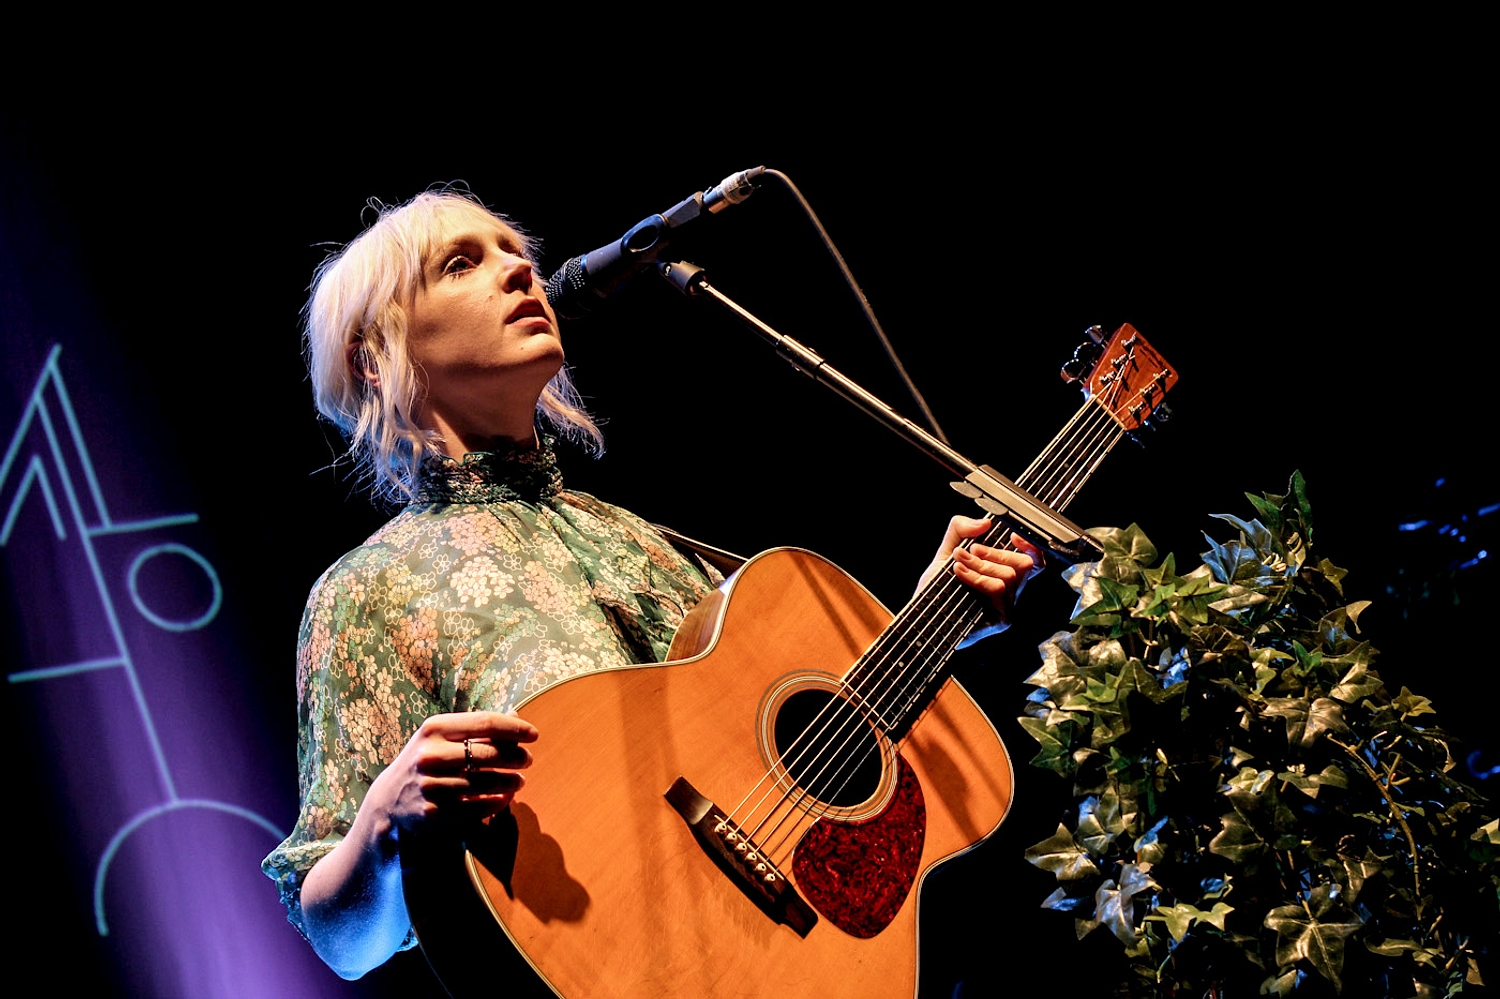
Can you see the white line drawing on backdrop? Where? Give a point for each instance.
(48, 468)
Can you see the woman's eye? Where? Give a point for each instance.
(457, 265)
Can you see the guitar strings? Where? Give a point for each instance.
(1055, 476)
(918, 672)
(949, 593)
(831, 731)
(854, 727)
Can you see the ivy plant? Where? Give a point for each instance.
(1256, 810)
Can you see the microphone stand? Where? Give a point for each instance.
(995, 494)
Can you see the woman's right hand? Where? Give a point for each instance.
(461, 765)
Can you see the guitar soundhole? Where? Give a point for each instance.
(828, 748)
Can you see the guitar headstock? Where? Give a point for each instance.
(1122, 373)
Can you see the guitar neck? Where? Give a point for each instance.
(898, 676)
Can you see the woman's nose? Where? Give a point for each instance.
(517, 274)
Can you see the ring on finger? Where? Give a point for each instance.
(468, 756)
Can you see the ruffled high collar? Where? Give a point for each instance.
(521, 472)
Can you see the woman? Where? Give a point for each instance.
(432, 347)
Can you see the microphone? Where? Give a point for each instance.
(584, 281)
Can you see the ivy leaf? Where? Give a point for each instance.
(1135, 676)
(1307, 720)
(1180, 917)
(1360, 682)
(1105, 658)
(1358, 870)
(1237, 842)
(1249, 779)
(1265, 672)
(1149, 849)
(1212, 643)
(1316, 932)
(1309, 784)
(1176, 664)
(1164, 574)
(1083, 578)
(1100, 821)
(1412, 704)
(1114, 602)
(1063, 902)
(1283, 984)
(1054, 754)
(1235, 598)
(1157, 602)
(1260, 820)
(1333, 776)
(1335, 625)
(1308, 660)
(1327, 715)
(1267, 508)
(1126, 551)
(1063, 857)
(1253, 532)
(1304, 507)
(1391, 948)
(1293, 711)
(1191, 600)
(1062, 671)
(1333, 574)
(1111, 719)
(1289, 517)
(1112, 904)
(1226, 560)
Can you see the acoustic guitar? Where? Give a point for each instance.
(756, 816)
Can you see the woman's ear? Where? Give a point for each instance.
(357, 356)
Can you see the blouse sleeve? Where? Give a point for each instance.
(352, 722)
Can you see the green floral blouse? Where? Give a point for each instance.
(491, 585)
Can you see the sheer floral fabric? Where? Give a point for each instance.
(494, 583)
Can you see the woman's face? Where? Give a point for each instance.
(481, 332)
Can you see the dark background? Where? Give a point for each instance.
(1304, 260)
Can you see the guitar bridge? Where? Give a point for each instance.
(741, 859)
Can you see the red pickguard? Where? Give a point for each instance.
(858, 874)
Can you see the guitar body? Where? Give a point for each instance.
(598, 879)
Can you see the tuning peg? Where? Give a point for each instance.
(1085, 355)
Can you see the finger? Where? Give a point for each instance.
(509, 728)
(476, 783)
(987, 559)
(483, 754)
(1027, 560)
(1038, 556)
(992, 580)
(960, 528)
(460, 725)
(482, 783)
(483, 806)
(472, 796)
(997, 590)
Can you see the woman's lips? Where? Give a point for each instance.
(530, 308)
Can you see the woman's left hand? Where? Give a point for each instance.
(997, 574)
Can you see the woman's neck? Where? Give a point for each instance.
(457, 439)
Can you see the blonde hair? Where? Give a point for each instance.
(355, 342)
